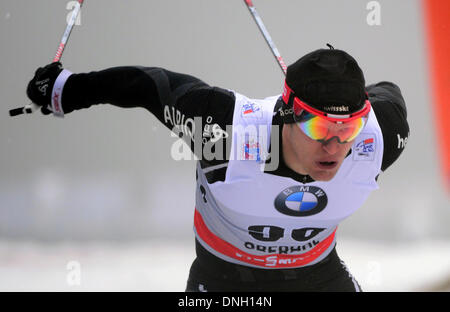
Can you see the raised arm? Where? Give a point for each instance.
(173, 98)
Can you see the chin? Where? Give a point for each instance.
(323, 175)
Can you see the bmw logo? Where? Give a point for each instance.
(301, 201)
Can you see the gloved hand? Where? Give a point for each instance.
(40, 88)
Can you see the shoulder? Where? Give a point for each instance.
(391, 112)
(213, 104)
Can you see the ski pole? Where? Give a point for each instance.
(31, 108)
(266, 35)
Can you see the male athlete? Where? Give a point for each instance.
(261, 227)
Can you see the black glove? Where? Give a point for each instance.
(40, 88)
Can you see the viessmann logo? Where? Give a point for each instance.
(301, 201)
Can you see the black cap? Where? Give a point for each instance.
(329, 80)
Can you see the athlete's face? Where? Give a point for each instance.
(304, 155)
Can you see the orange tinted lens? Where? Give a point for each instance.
(354, 128)
(313, 126)
(320, 129)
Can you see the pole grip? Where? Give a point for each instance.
(16, 111)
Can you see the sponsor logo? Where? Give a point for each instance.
(365, 148)
(281, 249)
(402, 141)
(185, 126)
(274, 261)
(214, 133)
(336, 108)
(43, 86)
(251, 109)
(57, 107)
(285, 112)
(301, 201)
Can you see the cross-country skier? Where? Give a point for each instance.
(286, 169)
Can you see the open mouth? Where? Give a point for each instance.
(327, 164)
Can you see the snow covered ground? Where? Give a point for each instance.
(164, 265)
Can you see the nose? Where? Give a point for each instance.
(331, 146)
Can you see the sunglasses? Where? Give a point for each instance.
(323, 127)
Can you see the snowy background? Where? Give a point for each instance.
(156, 265)
(99, 189)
